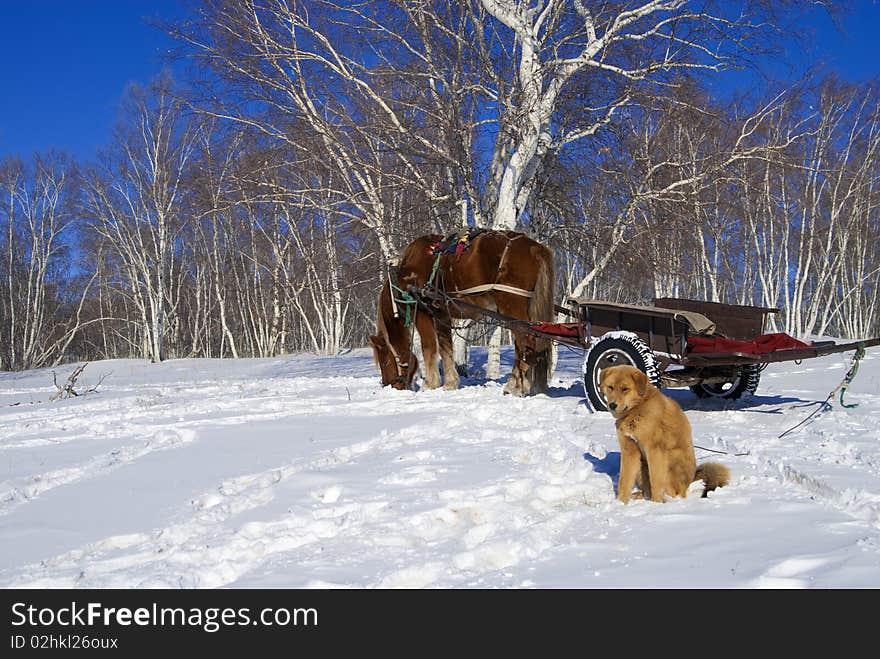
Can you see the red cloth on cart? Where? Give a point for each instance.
(557, 329)
(760, 345)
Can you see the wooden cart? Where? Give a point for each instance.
(655, 340)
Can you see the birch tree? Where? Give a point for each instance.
(213, 226)
(281, 60)
(36, 219)
(135, 203)
(831, 204)
(600, 52)
(856, 305)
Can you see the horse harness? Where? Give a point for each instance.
(454, 243)
(457, 243)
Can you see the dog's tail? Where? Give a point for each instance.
(713, 475)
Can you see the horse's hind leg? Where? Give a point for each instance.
(444, 341)
(519, 384)
(541, 366)
(428, 336)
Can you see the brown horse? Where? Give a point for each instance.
(502, 271)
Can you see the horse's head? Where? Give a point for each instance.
(391, 343)
(398, 367)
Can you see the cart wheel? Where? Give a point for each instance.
(745, 384)
(622, 348)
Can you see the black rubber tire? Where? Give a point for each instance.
(743, 386)
(622, 348)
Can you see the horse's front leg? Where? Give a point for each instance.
(443, 327)
(428, 336)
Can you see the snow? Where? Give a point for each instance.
(303, 472)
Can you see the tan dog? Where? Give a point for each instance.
(656, 450)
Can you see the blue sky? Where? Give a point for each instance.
(65, 64)
(848, 45)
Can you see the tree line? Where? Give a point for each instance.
(253, 208)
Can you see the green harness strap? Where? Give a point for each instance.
(851, 374)
(430, 281)
(406, 299)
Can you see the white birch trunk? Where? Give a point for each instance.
(460, 344)
(493, 354)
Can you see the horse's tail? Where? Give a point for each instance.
(541, 308)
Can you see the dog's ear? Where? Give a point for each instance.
(641, 380)
(602, 374)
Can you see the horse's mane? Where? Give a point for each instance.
(381, 329)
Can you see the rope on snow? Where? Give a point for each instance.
(825, 405)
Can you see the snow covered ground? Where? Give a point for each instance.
(303, 472)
